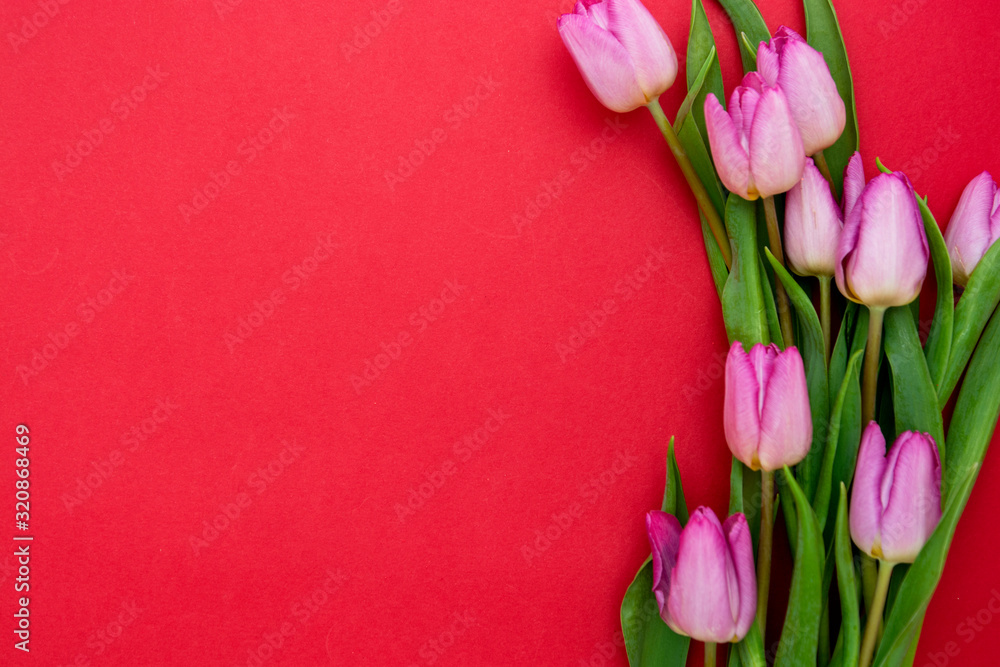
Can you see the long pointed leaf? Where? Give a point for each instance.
(742, 298)
(746, 18)
(848, 586)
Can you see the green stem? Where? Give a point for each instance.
(824, 312)
(774, 242)
(697, 187)
(764, 546)
(710, 654)
(820, 160)
(872, 353)
(875, 615)
(869, 575)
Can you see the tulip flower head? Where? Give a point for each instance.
(813, 224)
(789, 63)
(622, 52)
(766, 414)
(703, 575)
(756, 145)
(882, 255)
(896, 501)
(974, 226)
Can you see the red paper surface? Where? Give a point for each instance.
(202, 292)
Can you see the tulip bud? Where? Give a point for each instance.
(622, 52)
(789, 63)
(766, 414)
(895, 502)
(703, 575)
(974, 226)
(812, 225)
(882, 255)
(756, 146)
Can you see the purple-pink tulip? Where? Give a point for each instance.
(766, 414)
(974, 226)
(703, 574)
(622, 52)
(813, 224)
(803, 75)
(756, 145)
(882, 255)
(895, 502)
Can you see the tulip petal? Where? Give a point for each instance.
(911, 493)
(664, 532)
(731, 159)
(785, 421)
(768, 64)
(700, 602)
(970, 230)
(598, 13)
(776, 154)
(604, 63)
(644, 39)
(812, 95)
(854, 182)
(741, 547)
(812, 225)
(866, 504)
(741, 414)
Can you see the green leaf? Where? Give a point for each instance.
(800, 635)
(751, 649)
(823, 33)
(694, 90)
(914, 400)
(825, 485)
(811, 347)
(850, 419)
(716, 264)
(746, 18)
(839, 356)
(694, 145)
(977, 303)
(701, 42)
(742, 298)
(847, 585)
(648, 640)
(770, 307)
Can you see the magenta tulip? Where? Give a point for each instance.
(703, 575)
(812, 225)
(766, 414)
(974, 226)
(789, 63)
(622, 52)
(895, 502)
(756, 145)
(882, 255)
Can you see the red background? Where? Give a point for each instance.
(458, 562)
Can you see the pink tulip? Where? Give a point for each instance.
(703, 575)
(622, 52)
(800, 71)
(766, 414)
(895, 502)
(882, 255)
(756, 145)
(974, 226)
(812, 225)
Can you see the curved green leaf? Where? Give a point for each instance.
(825, 485)
(742, 298)
(746, 18)
(848, 585)
(701, 43)
(751, 649)
(695, 85)
(701, 159)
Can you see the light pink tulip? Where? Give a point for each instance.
(766, 413)
(812, 225)
(756, 145)
(895, 502)
(974, 226)
(622, 52)
(803, 75)
(882, 255)
(703, 575)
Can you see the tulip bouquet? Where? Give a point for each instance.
(811, 401)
